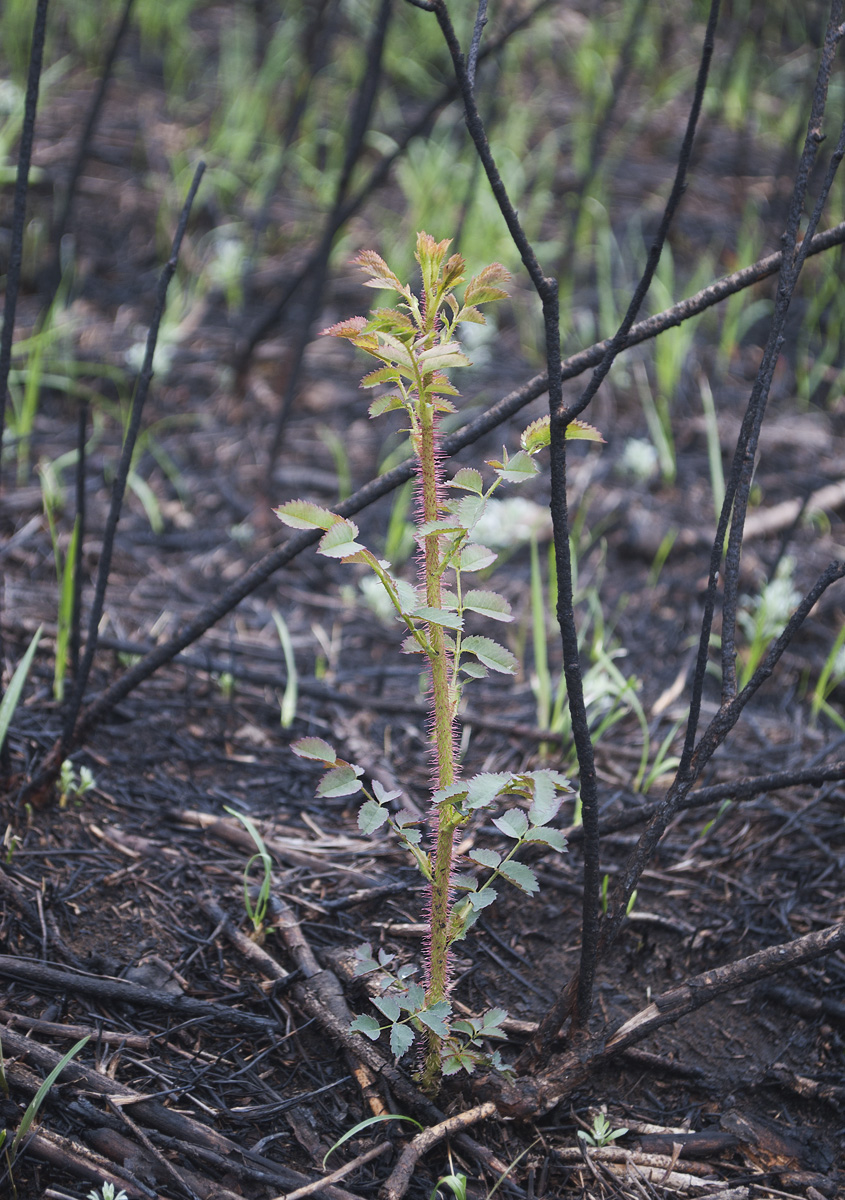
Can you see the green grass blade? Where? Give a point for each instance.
(13, 692)
(39, 1097)
(356, 1129)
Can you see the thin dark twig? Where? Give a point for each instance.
(478, 30)
(793, 260)
(741, 789)
(13, 272)
(358, 125)
(716, 732)
(510, 404)
(122, 473)
(678, 189)
(60, 224)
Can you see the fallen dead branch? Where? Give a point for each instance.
(528, 1097)
(192, 1135)
(37, 973)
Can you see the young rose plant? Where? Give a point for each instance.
(415, 345)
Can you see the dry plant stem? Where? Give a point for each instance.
(695, 756)
(358, 124)
(743, 789)
(598, 144)
(396, 1185)
(340, 1173)
(167, 1166)
(641, 855)
(678, 188)
(510, 404)
(193, 1134)
(65, 1155)
(52, 980)
(547, 290)
(793, 260)
(122, 473)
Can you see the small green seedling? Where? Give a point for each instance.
(106, 1192)
(73, 786)
(415, 344)
(257, 911)
(602, 1133)
(457, 1185)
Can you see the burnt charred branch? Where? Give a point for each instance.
(38, 789)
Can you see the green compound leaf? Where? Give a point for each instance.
(315, 748)
(383, 404)
(364, 961)
(521, 876)
(474, 670)
(440, 358)
(301, 514)
(487, 858)
(475, 557)
(468, 479)
(442, 525)
(482, 288)
(513, 824)
(413, 999)
(380, 375)
(483, 789)
(581, 431)
(491, 1022)
(434, 1017)
(482, 899)
(488, 604)
(388, 1005)
(471, 314)
(468, 510)
(455, 791)
(339, 540)
(381, 276)
(546, 800)
(438, 616)
(367, 1025)
(401, 1040)
(549, 837)
(518, 468)
(536, 436)
(371, 817)
(383, 795)
(340, 781)
(491, 654)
